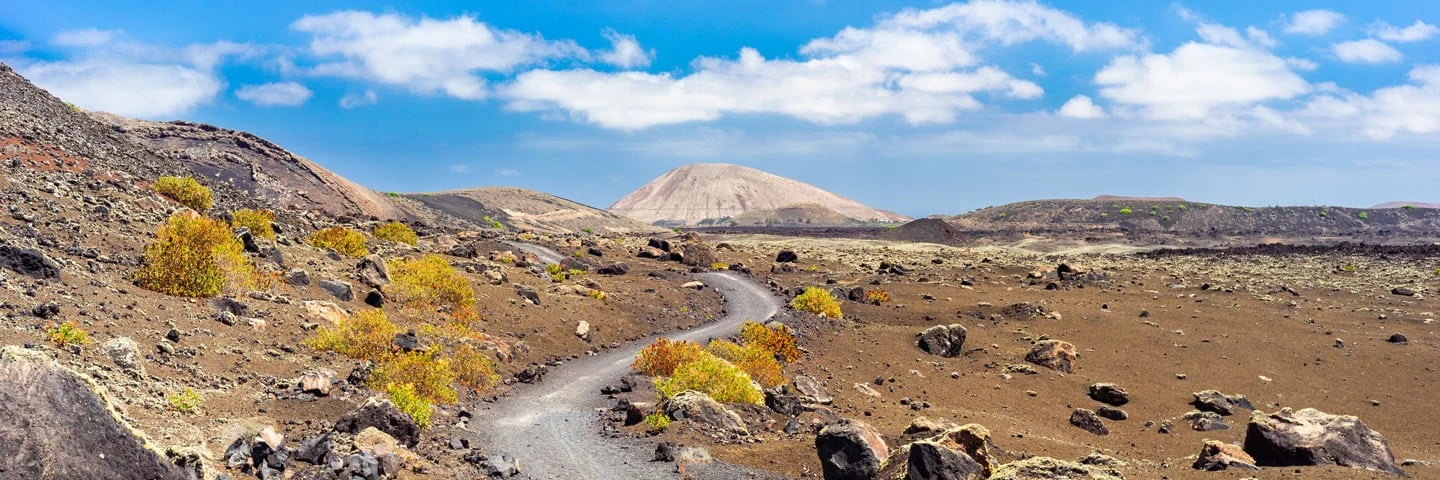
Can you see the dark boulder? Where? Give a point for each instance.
(1088, 421)
(699, 254)
(1214, 401)
(1216, 455)
(943, 340)
(1311, 437)
(618, 268)
(382, 415)
(929, 460)
(28, 262)
(850, 450)
(1053, 354)
(787, 256)
(1109, 393)
(373, 272)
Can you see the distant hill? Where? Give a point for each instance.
(527, 209)
(723, 194)
(1404, 204)
(1122, 198)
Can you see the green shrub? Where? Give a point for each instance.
(431, 282)
(342, 240)
(712, 376)
(556, 272)
(1125, 211)
(68, 334)
(366, 336)
(396, 232)
(817, 301)
(187, 400)
(185, 191)
(259, 222)
(1323, 213)
(757, 362)
(194, 256)
(427, 371)
(1364, 215)
(473, 369)
(1408, 207)
(406, 400)
(494, 223)
(657, 421)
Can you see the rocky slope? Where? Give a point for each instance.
(1404, 204)
(715, 194)
(526, 210)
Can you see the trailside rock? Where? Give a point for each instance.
(1109, 393)
(700, 408)
(1088, 421)
(850, 450)
(1046, 468)
(1311, 437)
(699, 254)
(1214, 401)
(381, 414)
(1216, 455)
(812, 390)
(53, 424)
(341, 290)
(931, 461)
(122, 351)
(786, 256)
(617, 268)
(943, 340)
(28, 262)
(527, 293)
(373, 272)
(1053, 354)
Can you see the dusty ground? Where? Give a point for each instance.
(1248, 335)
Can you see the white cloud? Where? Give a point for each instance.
(1302, 64)
(352, 100)
(425, 55)
(1413, 107)
(1367, 50)
(1415, 32)
(1036, 69)
(508, 172)
(921, 65)
(129, 89)
(284, 94)
(460, 168)
(207, 55)
(625, 52)
(1080, 106)
(1197, 78)
(9, 47)
(1313, 22)
(89, 37)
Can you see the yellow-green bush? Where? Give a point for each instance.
(194, 256)
(260, 222)
(657, 421)
(366, 336)
(187, 400)
(661, 358)
(431, 282)
(67, 334)
(186, 191)
(342, 240)
(777, 340)
(712, 376)
(406, 400)
(473, 369)
(396, 232)
(757, 362)
(817, 301)
(427, 371)
(719, 266)
(556, 272)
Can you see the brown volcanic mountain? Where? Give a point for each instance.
(713, 193)
(527, 210)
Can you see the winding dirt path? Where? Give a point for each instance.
(550, 427)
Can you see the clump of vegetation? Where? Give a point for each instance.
(473, 369)
(778, 340)
(578, 254)
(575, 272)
(657, 421)
(719, 266)
(68, 334)
(676, 230)
(406, 400)
(1165, 218)
(1349, 268)
(1181, 207)
(494, 223)
(663, 356)
(712, 376)
(427, 371)
(1323, 213)
(194, 256)
(589, 231)
(73, 107)
(756, 362)
(187, 400)
(186, 191)
(877, 296)
(392, 194)
(1125, 211)
(556, 272)
(396, 232)
(817, 301)
(597, 294)
(1408, 207)
(366, 336)
(342, 240)
(1364, 216)
(261, 223)
(430, 281)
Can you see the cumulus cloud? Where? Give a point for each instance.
(625, 51)
(1302, 64)
(129, 89)
(1415, 32)
(8, 47)
(352, 100)
(921, 65)
(1412, 108)
(1367, 50)
(425, 55)
(282, 94)
(1080, 106)
(89, 37)
(1313, 22)
(1197, 78)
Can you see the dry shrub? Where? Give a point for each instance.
(396, 232)
(712, 376)
(661, 358)
(877, 296)
(777, 340)
(473, 369)
(342, 240)
(430, 282)
(259, 222)
(194, 256)
(427, 371)
(757, 362)
(185, 191)
(366, 336)
(817, 301)
(406, 400)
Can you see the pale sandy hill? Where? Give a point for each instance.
(691, 194)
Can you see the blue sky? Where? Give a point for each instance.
(918, 107)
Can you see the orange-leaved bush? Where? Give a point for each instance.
(194, 256)
(662, 357)
(877, 296)
(817, 301)
(756, 362)
(778, 340)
